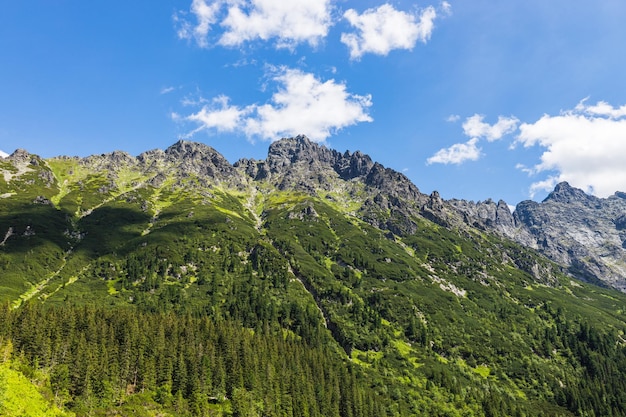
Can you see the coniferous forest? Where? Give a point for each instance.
(100, 359)
(97, 358)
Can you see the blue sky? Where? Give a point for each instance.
(475, 99)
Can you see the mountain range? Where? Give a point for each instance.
(422, 306)
(584, 234)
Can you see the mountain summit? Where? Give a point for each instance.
(581, 232)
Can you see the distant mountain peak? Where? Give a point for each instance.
(185, 148)
(3, 154)
(21, 155)
(565, 193)
(298, 139)
(296, 148)
(299, 154)
(582, 232)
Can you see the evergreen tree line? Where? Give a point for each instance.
(98, 357)
(598, 388)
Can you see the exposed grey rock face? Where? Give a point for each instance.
(582, 232)
(20, 156)
(190, 159)
(284, 154)
(299, 164)
(201, 160)
(109, 162)
(353, 165)
(395, 183)
(620, 222)
(257, 170)
(487, 215)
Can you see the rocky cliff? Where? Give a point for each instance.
(585, 233)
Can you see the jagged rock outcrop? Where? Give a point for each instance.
(579, 231)
(202, 161)
(257, 170)
(390, 201)
(294, 163)
(487, 215)
(21, 156)
(185, 158)
(113, 161)
(285, 154)
(353, 165)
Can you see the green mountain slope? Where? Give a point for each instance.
(344, 291)
(19, 395)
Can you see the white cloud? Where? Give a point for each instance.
(585, 146)
(3, 154)
(167, 90)
(305, 104)
(194, 100)
(453, 118)
(601, 108)
(288, 22)
(301, 104)
(446, 8)
(474, 127)
(457, 153)
(383, 29)
(206, 13)
(544, 185)
(219, 115)
(524, 168)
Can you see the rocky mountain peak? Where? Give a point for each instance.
(486, 214)
(352, 165)
(186, 152)
(393, 181)
(20, 156)
(300, 149)
(298, 142)
(184, 149)
(565, 193)
(504, 217)
(579, 231)
(109, 161)
(191, 159)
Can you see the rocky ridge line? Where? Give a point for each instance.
(583, 233)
